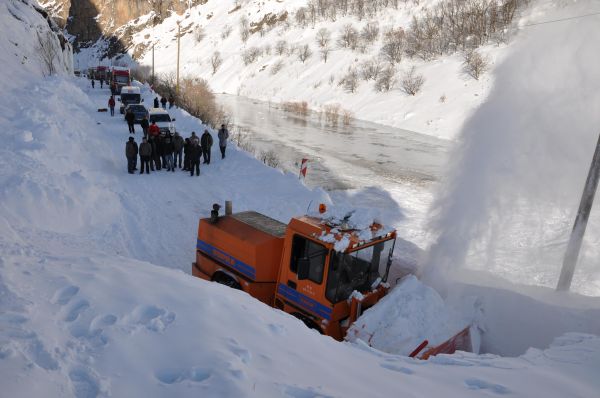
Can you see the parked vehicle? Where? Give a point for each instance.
(130, 95)
(138, 110)
(119, 77)
(163, 120)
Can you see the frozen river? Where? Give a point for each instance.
(359, 155)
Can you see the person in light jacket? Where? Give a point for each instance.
(223, 136)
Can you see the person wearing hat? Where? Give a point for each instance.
(131, 152)
(145, 154)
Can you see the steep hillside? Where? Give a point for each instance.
(31, 43)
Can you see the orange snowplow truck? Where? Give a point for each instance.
(290, 268)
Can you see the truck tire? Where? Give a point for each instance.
(226, 280)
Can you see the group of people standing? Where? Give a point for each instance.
(164, 151)
(163, 102)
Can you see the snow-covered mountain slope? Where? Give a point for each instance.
(31, 44)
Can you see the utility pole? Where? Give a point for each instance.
(178, 37)
(585, 206)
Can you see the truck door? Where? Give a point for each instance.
(305, 287)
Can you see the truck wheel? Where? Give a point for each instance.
(226, 280)
(308, 322)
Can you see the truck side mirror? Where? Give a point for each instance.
(303, 268)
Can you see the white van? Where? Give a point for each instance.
(163, 120)
(130, 95)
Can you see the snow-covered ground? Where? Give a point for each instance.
(93, 300)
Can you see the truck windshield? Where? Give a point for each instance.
(358, 270)
(161, 117)
(130, 98)
(122, 79)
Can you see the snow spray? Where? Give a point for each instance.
(510, 198)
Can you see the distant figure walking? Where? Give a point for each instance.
(194, 154)
(223, 136)
(101, 82)
(131, 152)
(111, 105)
(93, 83)
(113, 88)
(163, 102)
(145, 126)
(145, 155)
(156, 102)
(206, 142)
(130, 118)
(177, 149)
(171, 101)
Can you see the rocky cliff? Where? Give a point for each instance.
(89, 20)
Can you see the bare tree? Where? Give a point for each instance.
(323, 37)
(226, 31)
(325, 53)
(250, 55)
(370, 69)
(386, 79)
(304, 53)
(348, 37)
(244, 29)
(370, 32)
(277, 66)
(300, 17)
(350, 80)
(475, 64)
(281, 47)
(46, 52)
(393, 45)
(216, 61)
(412, 82)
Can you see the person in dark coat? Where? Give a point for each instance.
(130, 118)
(160, 150)
(93, 83)
(168, 153)
(156, 102)
(163, 102)
(155, 157)
(223, 136)
(145, 155)
(131, 152)
(206, 142)
(144, 124)
(113, 89)
(194, 137)
(101, 82)
(194, 154)
(171, 101)
(111, 105)
(186, 154)
(177, 149)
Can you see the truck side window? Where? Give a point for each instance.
(316, 254)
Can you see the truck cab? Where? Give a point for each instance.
(129, 95)
(322, 273)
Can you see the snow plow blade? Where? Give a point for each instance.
(459, 342)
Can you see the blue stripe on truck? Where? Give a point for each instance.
(304, 301)
(224, 258)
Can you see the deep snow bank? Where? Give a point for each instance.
(408, 315)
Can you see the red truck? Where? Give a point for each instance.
(119, 78)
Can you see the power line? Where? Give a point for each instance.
(562, 19)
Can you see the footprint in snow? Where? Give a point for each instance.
(152, 317)
(64, 295)
(76, 309)
(243, 354)
(478, 384)
(84, 383)
(172, 376)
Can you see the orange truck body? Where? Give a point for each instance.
(257, 254)
(256, 251)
